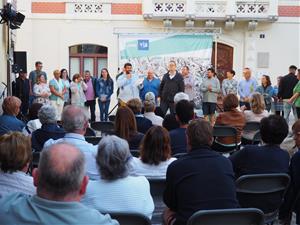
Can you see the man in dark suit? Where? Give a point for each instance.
(172, 83)
(21, 89)
(201, 180)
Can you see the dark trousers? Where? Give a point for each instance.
(279, 113)
(167, 105)
(91, 104)
(104, 106)
(298, 112)
(247, 104)
(24, 107)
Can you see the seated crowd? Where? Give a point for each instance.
(77, 182)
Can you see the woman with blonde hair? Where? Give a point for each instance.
(15, 157)
(41, 90)
(257, 112)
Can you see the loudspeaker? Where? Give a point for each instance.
(20, 62)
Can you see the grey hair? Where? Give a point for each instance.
(60, 183)
(181, 96)
(47, 114)
(74, 118)
(113, 158)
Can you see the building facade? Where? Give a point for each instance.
(83, 34)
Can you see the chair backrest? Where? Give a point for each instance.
(89, 132)
(157, 187)
(224, 131)
(251, 126)
(179, 155)
(263, 191)
(249, 216)
(93, 140)
(256, 138)
(130, 218)
(104, 127)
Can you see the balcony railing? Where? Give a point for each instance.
(208, 9)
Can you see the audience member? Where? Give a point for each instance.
(285, 92)
(230, 117)
(75, 122)
(90, 93)
(149, 108)
(155, 154)
(229, 85)
(189, 82)
(184, 114)
(210, 88)
(125, 127)
(170, 121)
(150, 84)
(104, 90)
(266, 90)
(268, 158)
(41, 90)
(33, 120)
(61, 183)
(66, 81)
(128, 84)
(171, 84)
(256, 113)
(8, 120)
(151, 97)
(58, 91)
(21, 89)
(143, 124)
(49, 129)
(183, 194)
(291, 201)
(246, 87)
(15, 157)
(117, 191)
(33, 79)
(78, 87)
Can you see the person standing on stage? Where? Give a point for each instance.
(90, 93)
(129, 85)
(210, 88)
(150, 84)
(21, 90)
(229, 85)
(33, 79)
(189, 82)
(171, 84)
(246, 88)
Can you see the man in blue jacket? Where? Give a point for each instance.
(150, 84)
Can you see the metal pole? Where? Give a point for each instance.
(8, 59)
(216, 53)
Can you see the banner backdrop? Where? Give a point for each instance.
(156, 50)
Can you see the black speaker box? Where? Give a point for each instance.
(20, 62)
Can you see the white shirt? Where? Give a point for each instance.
(156, 120)
(130, 194)
(16, 182)
(89, 151)
(31, 126)
(151, 171)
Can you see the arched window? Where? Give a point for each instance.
(87, 57)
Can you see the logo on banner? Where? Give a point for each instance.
(143, 45)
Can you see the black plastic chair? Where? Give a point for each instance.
(135, 152)
(104, 127)
(257, 138)
(179, 155)
(225, 131)
(252, 126)
(93, 140)
(89, 132)
(249, 216)
(263, 191)
(130, 218)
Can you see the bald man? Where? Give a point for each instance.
(150, 84)
(61, 182)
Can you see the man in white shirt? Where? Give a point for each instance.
(129, 84)
(75, 122)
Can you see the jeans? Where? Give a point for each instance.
(287, 107)
(91, 104)
(104, 106)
